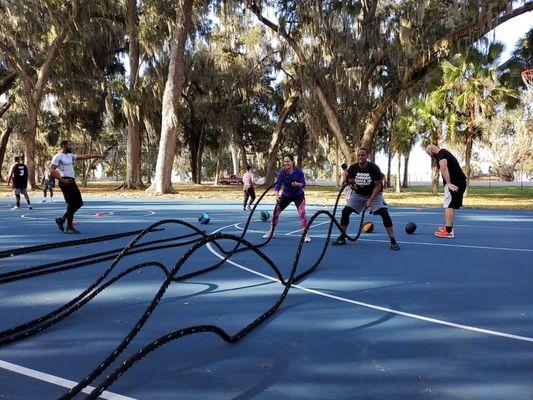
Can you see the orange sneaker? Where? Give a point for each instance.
(442, 228)
(444, 234)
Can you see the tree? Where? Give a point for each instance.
(171, 96)
(359, 58)
(31, 42)
(510, 141)
(472, 90)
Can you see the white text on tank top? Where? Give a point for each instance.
(65, 164)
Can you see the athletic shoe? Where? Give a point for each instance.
(70, 230)
(249, 208)
(30, 208)
(60, 222)
(45, 200)
(441, 234)
(307, 238)
(268, 235)
(339, 242)
(394, 246)
(15, 208)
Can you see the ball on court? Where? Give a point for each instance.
(368, 227)
(203, 218)
(410, 228)
(264, 215)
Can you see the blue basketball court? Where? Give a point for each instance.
(439, 319)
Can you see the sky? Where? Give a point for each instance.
(508, 33)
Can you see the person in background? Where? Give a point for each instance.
(249, 191)
(18, 174)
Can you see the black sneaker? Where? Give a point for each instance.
(70, 230)
(339, 242)
(30, 208)
(394, 246)
(60, 222)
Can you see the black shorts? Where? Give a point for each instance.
(284, 202)
(454, 199)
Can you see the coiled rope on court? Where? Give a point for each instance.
(44, 322)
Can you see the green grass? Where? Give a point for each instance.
(500, 197)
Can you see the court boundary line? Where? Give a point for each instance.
(468, 246)
(373, 306)
(58, 381)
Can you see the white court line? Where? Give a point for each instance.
(55, 380)
(467, 246)
(478, 226)
(301, 229)
(372, 306)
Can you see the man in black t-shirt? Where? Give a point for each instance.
(18, 174)
(454, 181)
(365, 180)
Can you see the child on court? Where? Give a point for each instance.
(249, 191)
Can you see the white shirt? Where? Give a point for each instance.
(65, 164)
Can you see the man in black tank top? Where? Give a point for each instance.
(454, 181)
(18, 174)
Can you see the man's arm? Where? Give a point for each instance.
(88, 156)
(443, 164)
(55, 173)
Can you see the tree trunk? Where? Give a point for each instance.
(373, 121)
(389, 163)
(288, 108)
(133, 143)
(468, 156)
(176, 77)
(406, 171)
(199, 155)
(398, 172)
(330, 113)
(29, 142)
(3, 147)
(244, 159)
(234, 158)
(435, 175)
(133, 153)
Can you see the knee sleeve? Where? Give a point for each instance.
(384, 214)
(345, 218)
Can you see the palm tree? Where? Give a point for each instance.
(471, 89)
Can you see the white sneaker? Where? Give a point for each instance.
(15, 208)
(268, 235)
(45, 200)
(307, 238)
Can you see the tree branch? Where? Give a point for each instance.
(484, 24)
(7, 82)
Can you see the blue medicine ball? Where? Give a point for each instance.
(203, 218)
(264, 216)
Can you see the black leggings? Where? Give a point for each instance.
(382, 212)
(250, 192)
(72, 196)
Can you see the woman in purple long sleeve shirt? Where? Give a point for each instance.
(292, 180)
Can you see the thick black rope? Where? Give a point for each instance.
(47, 246)
(293, 278)
(50, 319)
(89, 259)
